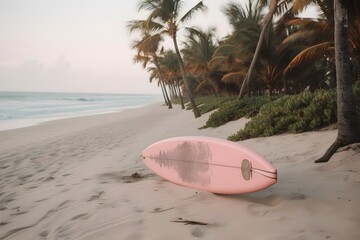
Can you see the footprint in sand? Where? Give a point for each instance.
(54, 154)
(258, 210)
(134, 236)
(197, 232)
(8, 198)
(48, 179)
(83, 216)
(297, 196)
(44, 234)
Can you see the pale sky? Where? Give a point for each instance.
(75, 45)
(78, 45)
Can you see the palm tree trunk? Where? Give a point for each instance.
(348, 124)
(185, 78)
(166, 94)
(173, 90)
(180, 95)
(267, 21)
(163, 92)
(162, 82)
(358, 74)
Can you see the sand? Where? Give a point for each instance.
(83, 178)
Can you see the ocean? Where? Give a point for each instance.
(22, 109)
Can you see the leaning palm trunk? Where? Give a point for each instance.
(185, 78)
(166, 95)
(267, 21)
(180, 95)
(161, 80)
(348, 123)
(163, 92)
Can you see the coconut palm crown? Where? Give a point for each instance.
(165, 18)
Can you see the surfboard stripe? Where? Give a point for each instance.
(253, 170)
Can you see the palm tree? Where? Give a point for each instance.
(147, 51)
(267, 21)
(171, 72)
(348, 123)
(310, 46)
(316, 36)
(198, 51)
(235, 54)
(154, 74)
(166, 15)
(336, 34)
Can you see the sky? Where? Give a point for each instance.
(79, 45)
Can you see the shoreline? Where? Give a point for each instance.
(23, 109)
(29, 122)
(74, 179)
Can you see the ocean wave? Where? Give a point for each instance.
(19, 106)
(81, 99)
(85, 99)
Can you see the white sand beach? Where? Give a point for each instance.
(83, 178)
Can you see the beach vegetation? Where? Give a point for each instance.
(247, 107)
(206, 103)
(294, 114)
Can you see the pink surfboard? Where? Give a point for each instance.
(210, 164)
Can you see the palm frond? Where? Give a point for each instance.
(147, 48)
(225, 49)
(148, 5)
(354, 36)
(135, 25)
(141, 59)
(283, 7)
(311, 54)
(218, 63)
(237, 77)
(300, 5)
(296, 38)
(187, 16)
(143, 26)
(326, 8)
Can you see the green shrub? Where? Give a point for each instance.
(236, 109)
(293, 114)
(206, 103)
